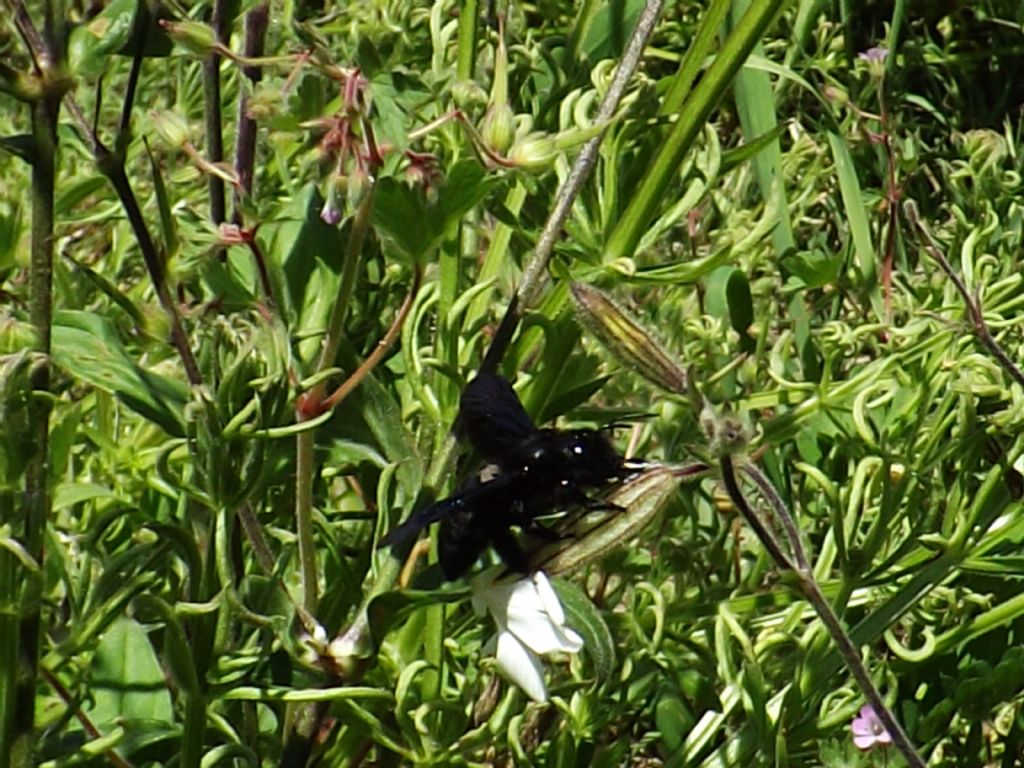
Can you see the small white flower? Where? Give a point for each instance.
(531, 623)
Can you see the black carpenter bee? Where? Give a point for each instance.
(535, 472)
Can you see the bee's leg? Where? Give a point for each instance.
(505, 544)
(597, 505)
(541, 531)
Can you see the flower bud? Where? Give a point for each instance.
(467, 94)
(357, 187)
(191, 35)
(875, 58)
(170, 127)
(625, 339)
(533, 152)
(498, 128)
(334, 205)
(639, 499)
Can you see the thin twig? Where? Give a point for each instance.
(256, 22)
(142, 24)
(87, 724)
(764, 533)
(973, 308)
(261, 268)
(535, 271)
(111, 166)
(764, 485)
(371, 362)
(38, 51)
(212, 113)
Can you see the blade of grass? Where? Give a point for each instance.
(755, 102)
(693, 114)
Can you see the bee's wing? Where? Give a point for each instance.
(493, 419)
(418, 521)
(482, 496)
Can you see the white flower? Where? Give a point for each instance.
(531, 623)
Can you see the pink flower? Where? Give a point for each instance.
(868, 730)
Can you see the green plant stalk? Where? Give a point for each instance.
(496, 257)
(304, 471)
(301, 718)
(771, 495)
(256, 22)
(192, 731)
(15, 744)
(469, 22)
(21, 645)
(305, 441)
(698, 51)
(450, 259)
(812, 592)
(581, 26)
(755, 102)
(693, 114)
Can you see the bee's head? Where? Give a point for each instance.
(591, 458)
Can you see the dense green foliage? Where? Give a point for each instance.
(205, 514)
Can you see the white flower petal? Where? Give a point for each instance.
(548, 597)
(529, 618)
(521, 666)
(492, 597)
(530, 621)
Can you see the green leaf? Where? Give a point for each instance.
(86, 346)
(403, 215)
(856, 211)
(178, 652)
(167, 222)
(731, 158)
(308, 255)
(22, 145)
(127, 682)
(727, 295)
(674, 720)
(654, 188)
(610, 29)
(75, 191)
(582, 616)
(119, 29)
(69, 494)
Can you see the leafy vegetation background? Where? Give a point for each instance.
(173, 531)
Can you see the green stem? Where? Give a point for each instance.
(305, 441)
(304, 470)
(14, 743)
(192, 731)
(356, 238)
(22, 649)
(696, 53)
(469, 21)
